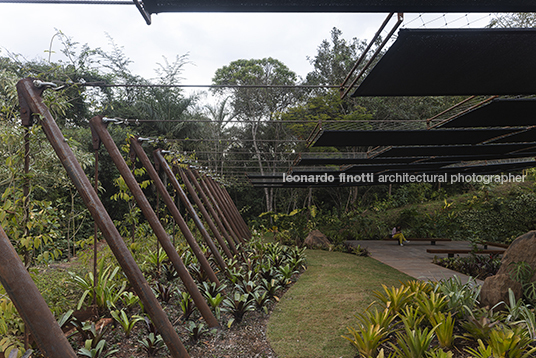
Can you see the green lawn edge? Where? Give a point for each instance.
(313, 314)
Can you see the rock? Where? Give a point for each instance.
(495, 288)
(316, 239)
(522, 249)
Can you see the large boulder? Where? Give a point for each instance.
(495, 288)
(316, 240)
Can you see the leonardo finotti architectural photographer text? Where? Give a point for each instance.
(398, 178)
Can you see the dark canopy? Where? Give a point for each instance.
(431, 62)
(156, 6)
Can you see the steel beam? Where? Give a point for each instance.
(203, 211)
(98, 126)
(159, 158)
(213, 213)
(30, 304)
(32, 103)
(168, 200)
(222, 209)
(229, 206)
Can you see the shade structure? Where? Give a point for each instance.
(501, 112)
(357, 138)
(475, 151)
(156, 6)
(436, 62)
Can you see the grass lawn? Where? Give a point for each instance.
(314, 313)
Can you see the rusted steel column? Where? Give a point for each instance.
(30, 304)
(31, 102)
(222, 211)
(98, 126)
(215, 216)
(182, 195)
(235, 209)
(205, 213)
(135, 144)
(231, 214)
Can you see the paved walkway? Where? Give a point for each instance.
(412, 259)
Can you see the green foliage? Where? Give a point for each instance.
(108, 290)
(237, 305)
(461, 298)
(126, 323)
(505, 342)
(367, 339)
(444, 328)
(413, 343)
(196, 330)
(152, 344)
(394, 299)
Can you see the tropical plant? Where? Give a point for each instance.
(261, 300)
(165, 293)
(196, 330)
(431, 304)
(125, 322)
(395, 298)
(129, 299)
(367, 339)
(413, 343)
(152, 344)
(444, 328)
(461, 298)
(96, 350)
(505, 342)
(237, 305)
(271, 288)
(215, 302)
(107, 291)
(186, 304)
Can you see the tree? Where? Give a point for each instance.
(516, 19)
(257, 106)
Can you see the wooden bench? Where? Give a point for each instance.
(432, 240)
(452, 252)
(496, 244)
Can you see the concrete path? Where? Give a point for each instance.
(412, 259)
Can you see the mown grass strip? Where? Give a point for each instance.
(314, 313)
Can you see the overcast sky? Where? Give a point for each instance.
(212, 40)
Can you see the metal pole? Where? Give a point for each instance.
(227, 219)
(30, 304)
(204, 211)
(98, 126)
(214, 215)
(218, 194)
(161, 162)
(31, 102)
(235, 209)
(168, 200)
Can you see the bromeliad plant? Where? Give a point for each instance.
(109, 289)
(125, 322)
(237, 306)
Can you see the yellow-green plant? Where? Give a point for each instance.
(505, 343)
(394, 298)
(444, 331)
(417, 286)
(413, 343)
(367, 339)
(438, 353)
(411, 316)
(431, 304)
(383, 318)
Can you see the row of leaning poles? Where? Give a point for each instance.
(212, 200)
